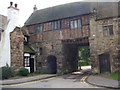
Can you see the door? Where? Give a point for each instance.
(31, 65)
(104, 62)
(51, 64)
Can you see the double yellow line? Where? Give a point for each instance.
(84, 78)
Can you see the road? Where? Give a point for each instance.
(74, 80)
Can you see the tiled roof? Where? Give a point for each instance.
(105, 9)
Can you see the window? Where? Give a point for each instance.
(79, 23)
(26, 41)
(55, 25)
(65, 24)
(40, 50)
(105, 31)
(38, 28)
(85, 19)
(26, 61)
(0, 36)
(75, 24)
(108, 30)
(72, 24)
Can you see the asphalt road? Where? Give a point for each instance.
(74, 80)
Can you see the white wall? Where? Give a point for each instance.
(12, 18)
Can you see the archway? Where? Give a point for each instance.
(72, 57)
(51, 64)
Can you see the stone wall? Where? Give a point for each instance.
(66, 55)
(48, 48)
(17, 48)
(100, 44)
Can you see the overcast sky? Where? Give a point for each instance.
(26, 6)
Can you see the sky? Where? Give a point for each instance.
(26, 6)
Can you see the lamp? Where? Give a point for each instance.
(94, 10)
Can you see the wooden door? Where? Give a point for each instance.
(104, 62)
(51, 64)
(31, 65)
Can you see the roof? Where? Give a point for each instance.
(25, 32)
(28, 49)
(3, 21)
(108, 9)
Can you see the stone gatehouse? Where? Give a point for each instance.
(57, 32)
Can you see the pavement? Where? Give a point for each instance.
(26, 79)
(103, 82)
(96, 80)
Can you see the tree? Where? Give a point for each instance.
(84, 54)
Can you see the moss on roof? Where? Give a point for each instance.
(28, 49)
(25, 32)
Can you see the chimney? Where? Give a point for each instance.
(15, 5)
(35, 8)
(11, 3)
(13, 14)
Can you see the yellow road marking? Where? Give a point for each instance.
(29, 82)
(84, 78)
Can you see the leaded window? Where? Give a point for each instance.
(75, 23)
(26, 61)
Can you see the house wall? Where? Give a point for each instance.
(12, 19)
(51, 43)
(3, 24)
(17, 48)
(100, 44)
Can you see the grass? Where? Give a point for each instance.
(29, 75)
(115, 76)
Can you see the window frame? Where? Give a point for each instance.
(108, 31)
(75, 24)
(26, 61)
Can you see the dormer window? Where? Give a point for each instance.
(26, 40)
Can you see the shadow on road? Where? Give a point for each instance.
(77, 76)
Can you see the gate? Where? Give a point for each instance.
(104, 62)
(51, 64)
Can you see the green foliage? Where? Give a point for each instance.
(82, 63)
(115, 76)
(84, 54)
(6, 72)
(23, 72)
